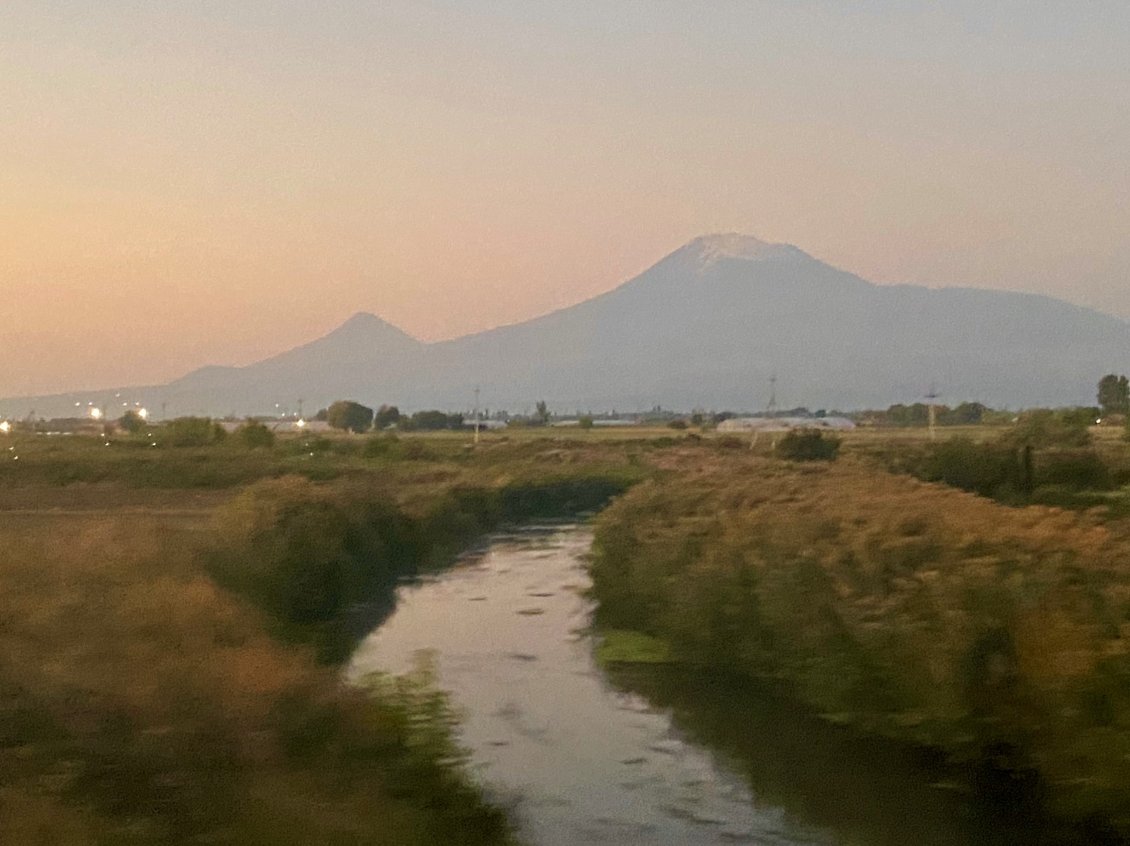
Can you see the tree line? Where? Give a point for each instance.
(350, 416)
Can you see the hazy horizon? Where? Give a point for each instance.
(214, 185)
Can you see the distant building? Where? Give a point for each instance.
(280, 427)
(784, 424)
(596, 421)
(316, 427)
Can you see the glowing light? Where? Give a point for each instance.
(95, 413)
(5, 426)
(301, 424)
(143, 413)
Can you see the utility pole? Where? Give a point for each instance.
(771, 411)
(931, 412)
(476, 414)
(300, 408)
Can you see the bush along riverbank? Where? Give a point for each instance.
(141, 704)
(998, 635)
(168, 675)
(322, 560)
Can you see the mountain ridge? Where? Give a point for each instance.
(705, 326)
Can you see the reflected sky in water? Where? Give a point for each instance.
(650, 756)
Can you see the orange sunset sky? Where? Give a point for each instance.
(193, 183)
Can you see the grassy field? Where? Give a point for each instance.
(142, 704)
(998, 634)
(173, 617)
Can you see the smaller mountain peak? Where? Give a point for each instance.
(364, 318)
(732, 245)
(364, 324)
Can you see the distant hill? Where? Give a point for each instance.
(706, 327)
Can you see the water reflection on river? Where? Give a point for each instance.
(580, 758)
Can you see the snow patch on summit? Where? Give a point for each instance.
(710, 248)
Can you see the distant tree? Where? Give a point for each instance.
(131, 421)
(193, 432)
(1080, 417)
(917, 414)
(585, 422)
(350, 416)
(1114, 394)
(542, 415)
(432, 421)
(696, 418)
(387, 415)
(964, 414)
(722, 416)
(322, 415)
(1043, 427)
(254, 435)
(677, 423)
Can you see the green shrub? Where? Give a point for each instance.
(1042, 427)
(1079, 469)
(731, 442)
(305, 553)
(808, 445)
(381, 446)
(994, 634)
(192, 432)
(255, 435)
(984, 469)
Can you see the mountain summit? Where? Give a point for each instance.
(704, 327)
(708, 249)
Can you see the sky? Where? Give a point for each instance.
(191, 183)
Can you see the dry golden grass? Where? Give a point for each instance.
(142, 703)
(139, 703)
(903, 607)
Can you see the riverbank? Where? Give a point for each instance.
(173, 620)
(995, 634)
(166, 657)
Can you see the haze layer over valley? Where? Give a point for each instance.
(705, 327)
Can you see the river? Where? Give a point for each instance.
(644, 755)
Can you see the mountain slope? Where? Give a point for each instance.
(705, 327)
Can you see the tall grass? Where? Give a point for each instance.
(140, 703)
(172, 617)
(310, 555)
(998, 634)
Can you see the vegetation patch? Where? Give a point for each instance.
(997, 634)
(167, 656)
(623, 646)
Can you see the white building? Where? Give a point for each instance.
(785, 424)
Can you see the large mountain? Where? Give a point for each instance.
(705, 327)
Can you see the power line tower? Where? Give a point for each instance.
(932, 411)
(771, 409)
